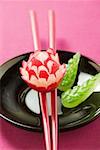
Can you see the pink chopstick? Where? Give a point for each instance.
(54, 116)
(45, 117)
(43, 99)
(35, 31)
(51, 16)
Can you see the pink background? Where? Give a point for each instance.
(78, 29)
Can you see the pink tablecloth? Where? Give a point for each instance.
(78, 29)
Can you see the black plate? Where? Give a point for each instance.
(14, 110)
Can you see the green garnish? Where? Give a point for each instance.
(73, 97)
(70, 74)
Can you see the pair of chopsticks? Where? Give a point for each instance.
(51, 142)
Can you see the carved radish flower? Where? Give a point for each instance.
(43, 71)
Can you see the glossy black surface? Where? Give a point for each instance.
(13, 91)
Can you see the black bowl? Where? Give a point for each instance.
(13, 91)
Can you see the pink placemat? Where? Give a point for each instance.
(84, 138)
(78, 29)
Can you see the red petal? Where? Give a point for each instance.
(52, 87)
(45, 62)
(43, 74)
(36, 62)
(27, 68)
(55, 67)
(31, 72)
